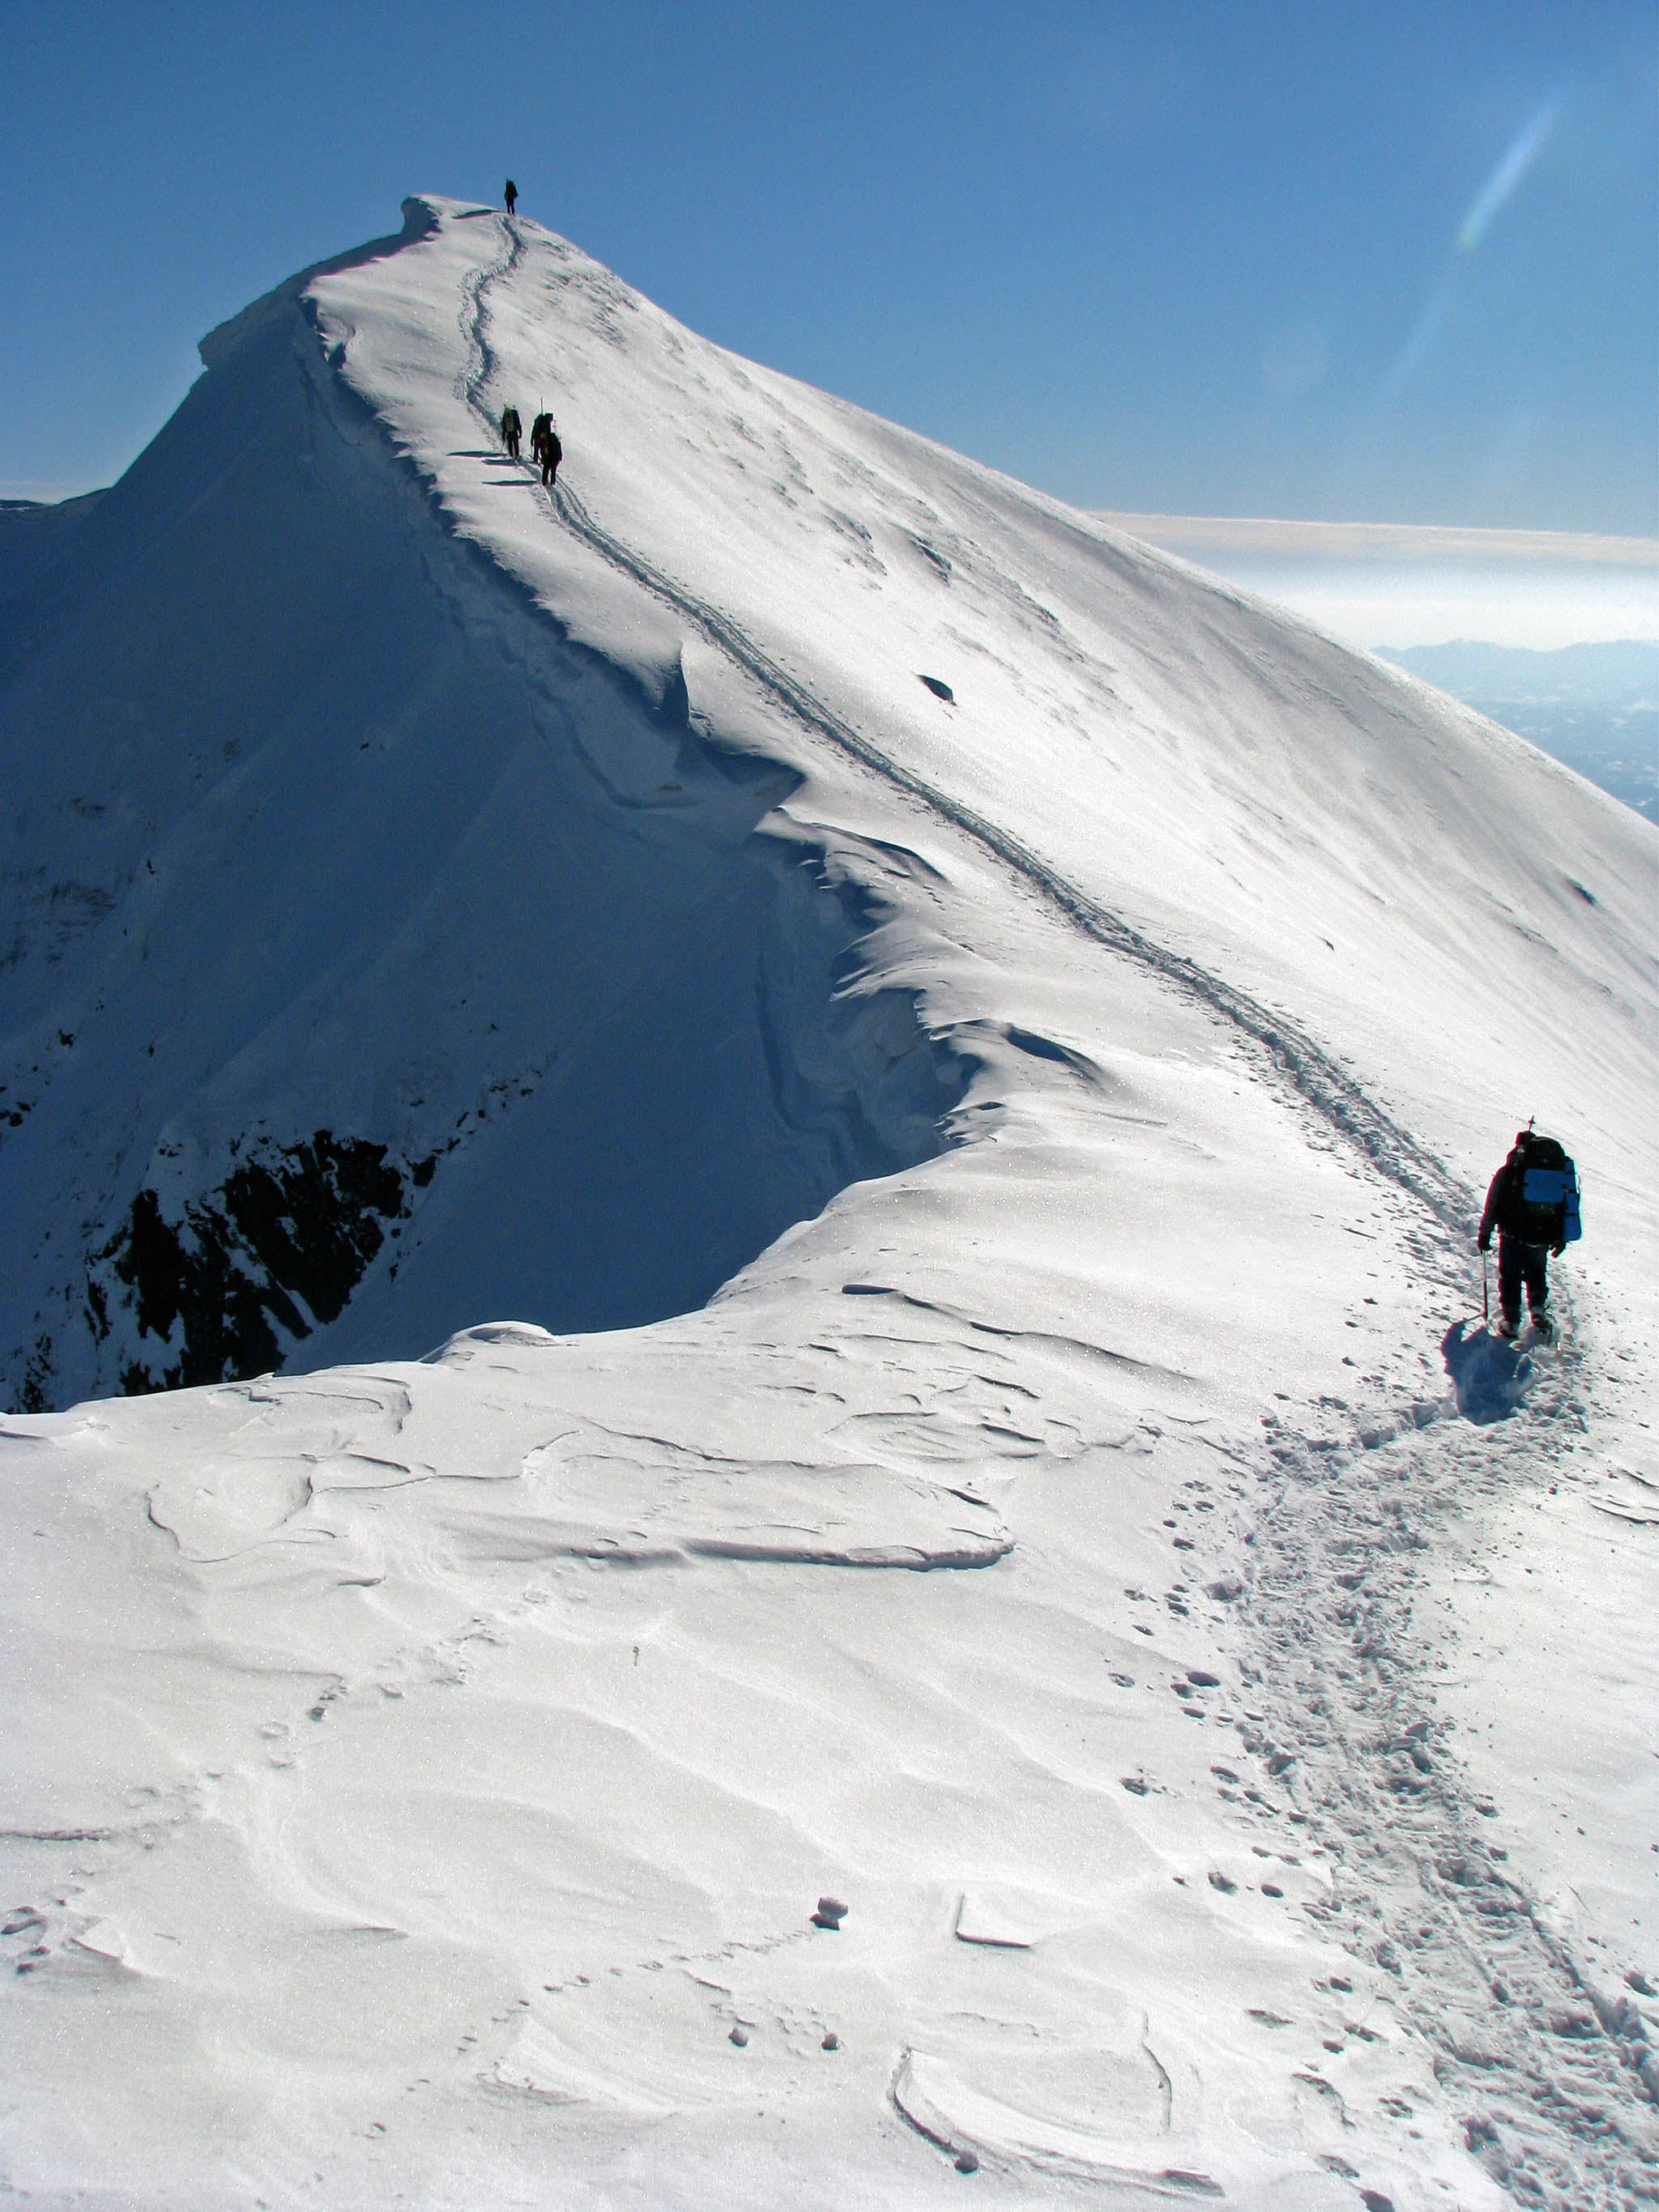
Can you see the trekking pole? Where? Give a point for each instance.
(1485, 1296)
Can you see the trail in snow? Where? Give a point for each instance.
(1347, 1730)
(488, 1725)
(1345, 1740)
(1348, 1708)
(473, 321)
(1316, 1078)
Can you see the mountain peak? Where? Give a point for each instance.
(782, 1091)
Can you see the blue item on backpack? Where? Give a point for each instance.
(1555, 1191)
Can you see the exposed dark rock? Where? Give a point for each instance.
(35, 1394)
(280, 1246)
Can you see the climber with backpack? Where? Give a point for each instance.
(1532, 1204)
(512, 430)
(544, 444)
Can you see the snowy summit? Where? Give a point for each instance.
(789, 1141)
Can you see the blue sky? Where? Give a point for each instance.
(1382, 262)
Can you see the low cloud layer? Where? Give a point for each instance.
(1404, 584)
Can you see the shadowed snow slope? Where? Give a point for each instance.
(1064, 1012)
(317, 826)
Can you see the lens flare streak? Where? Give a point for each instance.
(1499, 187)
(1507, 176)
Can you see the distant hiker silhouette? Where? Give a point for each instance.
(544, 444)
(512, 429)
(511, 196)
(1532, 1204)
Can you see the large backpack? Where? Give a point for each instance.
(1546, 1204)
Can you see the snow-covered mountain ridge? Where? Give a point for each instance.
(441, 897)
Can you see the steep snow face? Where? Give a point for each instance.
(353, 913)
(1069, 1551)
(1290, 815)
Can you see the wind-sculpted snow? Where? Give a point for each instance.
(1073, 1664)
(973, 2126)
(589, 1494)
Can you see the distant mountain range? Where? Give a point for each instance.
(1595, 708)
(1624, 674)
(29, 529)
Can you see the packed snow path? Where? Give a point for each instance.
(1539, 2040)
(1068, 1553)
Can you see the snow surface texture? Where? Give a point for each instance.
(1106, 1555)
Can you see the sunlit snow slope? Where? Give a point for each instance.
(1096, 1542)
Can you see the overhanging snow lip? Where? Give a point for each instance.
(422, 215)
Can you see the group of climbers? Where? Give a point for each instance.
(544, 438)
(544, 441)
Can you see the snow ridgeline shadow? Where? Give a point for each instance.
(395, 962)
(1489, 1374)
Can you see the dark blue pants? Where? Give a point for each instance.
(1518, 1262)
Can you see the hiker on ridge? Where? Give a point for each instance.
(511, 196)
(512, 429)
(544, 444)
(1532, 1204)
